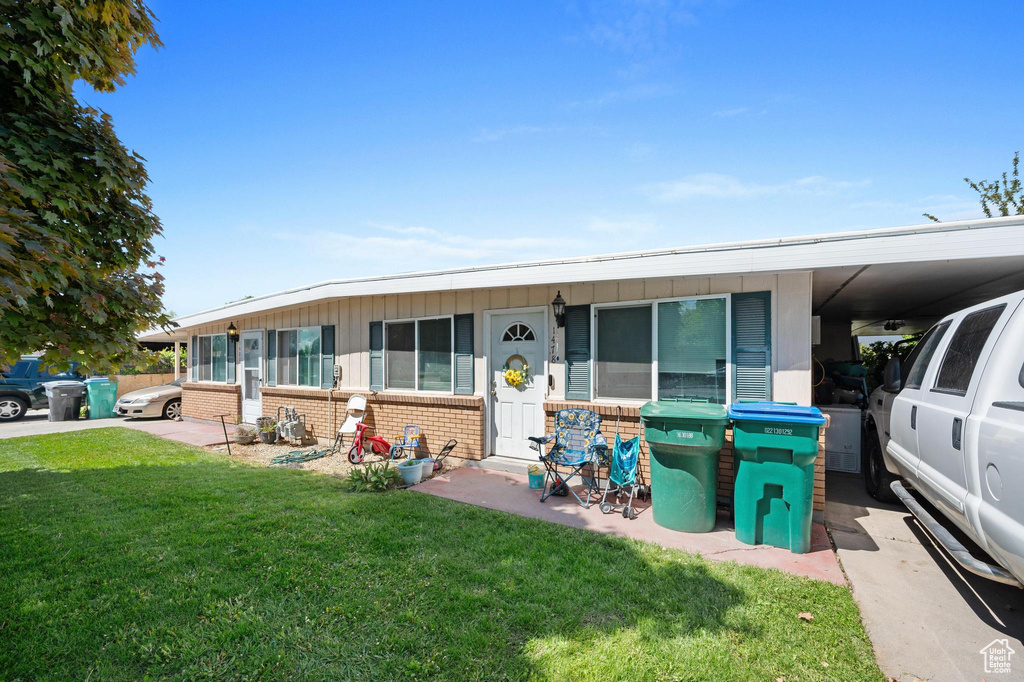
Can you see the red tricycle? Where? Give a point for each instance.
(364, 444)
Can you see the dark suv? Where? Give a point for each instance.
(21, 387)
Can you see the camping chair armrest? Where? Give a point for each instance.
(541, 439)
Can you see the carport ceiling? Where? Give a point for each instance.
(919, 293)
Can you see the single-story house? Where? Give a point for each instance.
(722, 322)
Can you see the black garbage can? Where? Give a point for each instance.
(65, 398)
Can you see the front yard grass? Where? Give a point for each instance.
(124, 556)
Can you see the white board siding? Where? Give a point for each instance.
(791, 310)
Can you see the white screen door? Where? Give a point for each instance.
(517, 412)
(252, 375)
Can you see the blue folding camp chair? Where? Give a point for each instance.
(575, 445)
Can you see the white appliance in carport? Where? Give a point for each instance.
(842, 438)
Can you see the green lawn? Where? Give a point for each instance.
(124, 556)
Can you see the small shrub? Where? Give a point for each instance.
(373, 478)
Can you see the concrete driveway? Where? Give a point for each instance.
(35, 423)
(927, 618)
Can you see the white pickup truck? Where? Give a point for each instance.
(949, 420)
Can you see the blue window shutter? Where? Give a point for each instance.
(752, 346)
(229, 375)
(464, 354)
(376, 356)
(272, 358)
(577, 352)
(193, 357)
(327, 356)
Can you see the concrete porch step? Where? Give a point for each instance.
(508, 465)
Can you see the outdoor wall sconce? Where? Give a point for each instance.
(558, 306)
(232, 333)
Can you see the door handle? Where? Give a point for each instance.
(913, 417)
(958, 429)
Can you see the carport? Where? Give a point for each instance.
(927, 618)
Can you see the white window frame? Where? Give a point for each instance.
(653, 302)
(416, 353)
(277, 359)
(199, 367)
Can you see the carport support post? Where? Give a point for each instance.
(177, 360)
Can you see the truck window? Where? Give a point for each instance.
(917, 361)
(965, 349)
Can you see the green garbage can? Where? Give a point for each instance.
(775, 445)
(101, 394)
(684, 437)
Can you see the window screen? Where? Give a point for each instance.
(287, 358)
(400, 358)
(624, 352)
(921, 356)
(965, 349)
(692, 349)
(204, 358)
(219, 357)
(309, 356)
(435, 355)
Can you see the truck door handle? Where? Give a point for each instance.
(958, 428)
(913, 417)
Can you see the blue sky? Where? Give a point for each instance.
(289, 143)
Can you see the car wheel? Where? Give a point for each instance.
(172, 410)
(12, 408)
(876, 477)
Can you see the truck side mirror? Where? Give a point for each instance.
(891, 376)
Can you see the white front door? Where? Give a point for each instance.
(252, 375)
(517, 411)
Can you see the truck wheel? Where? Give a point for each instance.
(876, 477)
(12, 408)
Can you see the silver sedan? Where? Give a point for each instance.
(155, 401)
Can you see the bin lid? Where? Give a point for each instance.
(64, 386)
(685, 408)
(768, 411)
(97, 380)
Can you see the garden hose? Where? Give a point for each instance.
(299, 456)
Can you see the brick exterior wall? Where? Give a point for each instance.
(439, 417)
(207, 401)
(629, 427)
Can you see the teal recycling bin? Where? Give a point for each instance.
(101, 394)
(775, 446)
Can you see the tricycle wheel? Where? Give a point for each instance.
(354, 456)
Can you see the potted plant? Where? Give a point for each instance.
(245, 434)
(411, 471)
(268, 432)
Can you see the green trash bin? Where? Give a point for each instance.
(775, 445)
(101, 394)
(684, 437)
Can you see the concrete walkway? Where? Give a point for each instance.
(35, 424)
(511, 493)
(927, 618)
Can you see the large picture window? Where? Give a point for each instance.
(298, 357)
(692, 350)
(418, 354)
(211, 357)
(664, 349)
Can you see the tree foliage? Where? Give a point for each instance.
(77, 264)
(1006, 195)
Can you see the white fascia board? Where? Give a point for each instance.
(991, 237)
